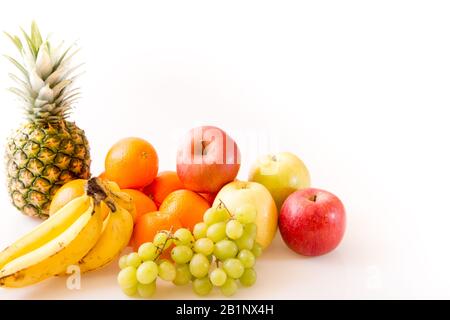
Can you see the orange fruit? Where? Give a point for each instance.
(132, 163)
(71, 190)
(143, 203)
(149, 224)
(165, 183)
(187, 206)
(102, 175)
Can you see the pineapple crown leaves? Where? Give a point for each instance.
(46, 78)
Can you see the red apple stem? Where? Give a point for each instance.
(313, 198)
(204, 146)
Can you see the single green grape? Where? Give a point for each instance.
(133, 260)
(202, 287)
(225, 249)
(162, 240)
(147, 272)
(229, 288)
(127, 278)
(209, 215)
(248, 278)
(234, 268)
(215, 215)
(183, 276)
(148, 251)
(204, 246)
(223, 212)
(131, 292)
(183, 237)
(245, 242)
(246, 214)
(217, 232)
(257, 250)
(123, 262)
(251, 230)
(182, 254)
(199, 266)
(146, 290)
(167, 271)
(247, 258)
(234, 229)
(200, 230)
(218, 277)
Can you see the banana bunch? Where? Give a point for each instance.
(77, 234)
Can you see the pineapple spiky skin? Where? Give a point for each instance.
(40, 159)
(48, 150)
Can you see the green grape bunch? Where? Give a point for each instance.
(220, 252)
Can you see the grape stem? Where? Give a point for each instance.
(221, 203)
(161, 248)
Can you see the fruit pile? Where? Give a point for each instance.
(220, 250)
(196, 225)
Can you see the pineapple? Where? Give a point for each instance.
(48, 150)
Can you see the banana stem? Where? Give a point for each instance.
(95, 189)
(98, 192)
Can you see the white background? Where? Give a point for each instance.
(358, 89)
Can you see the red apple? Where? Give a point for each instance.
(207, 159)
(312, 222)
(209, 197)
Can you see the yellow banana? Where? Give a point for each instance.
(46, 231)
(55, 256)
(122, 199)
(125, 201)
(112, 186)
(118, 227)
(115, 237)
(106, 221)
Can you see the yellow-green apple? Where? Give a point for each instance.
(312, 222)
(207, 159)
(282, 174)
(237, 194)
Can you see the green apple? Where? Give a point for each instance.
(242, 193)
(281, 174)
